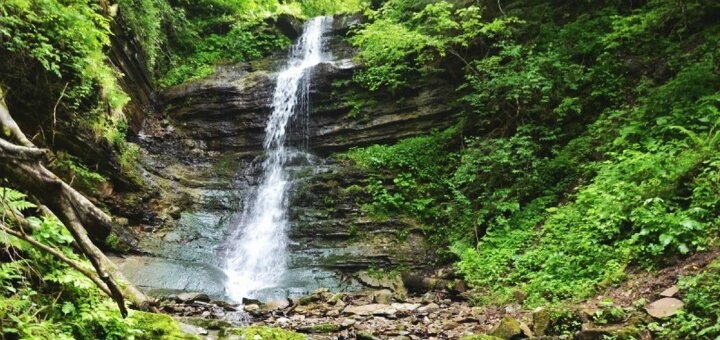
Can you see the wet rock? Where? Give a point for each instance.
(247, 301)
(664, 307)
(275, 305)
(508, 328)
(193, 296)
(252, 308)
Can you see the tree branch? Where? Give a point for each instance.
(60, 256)
(8, 125)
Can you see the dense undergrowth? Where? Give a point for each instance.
(44, 298)
(587, 146)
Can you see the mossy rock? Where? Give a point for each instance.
(206, 323)
(264, 333)
(320, 328)
(508, 328)
(157, 326)
(480, 337)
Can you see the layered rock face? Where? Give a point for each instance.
(200, 156)
(227, 111)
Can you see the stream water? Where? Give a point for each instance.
(256, 256)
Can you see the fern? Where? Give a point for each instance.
(14, 200)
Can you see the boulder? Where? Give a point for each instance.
(193, 296)
(383, 296)
(508, 328)
(541, 321)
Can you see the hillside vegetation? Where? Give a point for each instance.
(587, 147)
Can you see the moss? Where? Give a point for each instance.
(265, 333)
(115, 243)
(157, 326)
(480, 337)
(207, 323)
(112, 240)
(322, 328)
(308, 299)
(507, 329)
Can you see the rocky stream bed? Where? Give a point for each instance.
(391, 310)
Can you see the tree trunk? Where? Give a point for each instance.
(22, 165)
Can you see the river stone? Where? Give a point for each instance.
(405, 307)
(347, 323)
(383, 296)
(320, 328)
(193, 296)
(371, 309)
(664, 307)
(541, 321)
(670, 292)
(252, 308)
(508, 328)
(275, 305)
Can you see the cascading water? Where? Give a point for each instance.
(256, 257)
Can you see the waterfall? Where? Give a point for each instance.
(256, 256)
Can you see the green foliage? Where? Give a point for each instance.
(265, 333)
(128, 159)
(406, 39)
(246, 40)
(313, 8)
(77, 174)
(156, 326)
(144, 19)
(43, 298)
(202, 34)
(66, 39)
(587, 145)
(13, 200)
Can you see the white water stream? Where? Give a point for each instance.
(257, 249)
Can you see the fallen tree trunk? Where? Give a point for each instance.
(22, 164)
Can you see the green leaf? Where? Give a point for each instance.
(68, 307)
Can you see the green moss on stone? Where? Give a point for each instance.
(480, 337)
(265, 333)
(157, 326)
